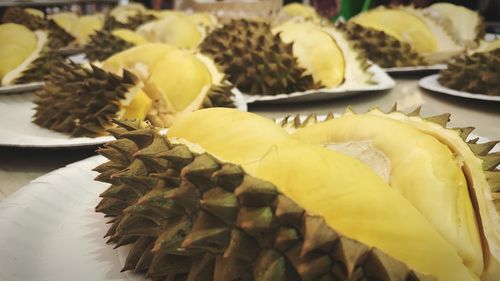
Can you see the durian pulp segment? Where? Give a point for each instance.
(351, 198)
(178, 84)
(10, 77)
(176, 30)
(66, 20)
(122, 12)
(400, 24)
(136, 104)
(17, 44)
(424, 171)
(355, 72)
(462, 21)
(478, 185)
(138, 60)
(217, 75)
(129, 36)
(85, 26)
(204, 21)
(316, 51)
(34, 12)
(300, 10)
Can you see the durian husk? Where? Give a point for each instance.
(256, 61)
(478, 73)
(479, 165)
(190, 216)
(81, 101)
(104, 44)
(382, 48)
(21, 16)
(132, 22)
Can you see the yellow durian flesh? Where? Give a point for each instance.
(66, 20)
(351, 198)
(179, 83)
(478, 184)
(176, 30)
(85, 26)
(17, 44)
(400, 24)
(423, 170)
(129, 36)
(35, 12)
(300, 10)
(316, 51)
(138, 60)
(123, 12)
(136, 105)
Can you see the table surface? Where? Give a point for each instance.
(19, 166)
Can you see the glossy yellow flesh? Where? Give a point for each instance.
(129, 36)
(17, 44)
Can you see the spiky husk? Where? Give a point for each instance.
(219, 96)
(58, 37)
(189, 216)
(104, 44)
(382, 48)
(256, 61)
(20, 16)
(80, 101)
(133, 22)
(478, 73)
(39, 67)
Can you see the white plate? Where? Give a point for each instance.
(414, 69)
(16, 128)
(50, 231)
(381, 79)
(20, 88)
(431, 83)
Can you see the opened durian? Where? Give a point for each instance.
(132, 22)
(477, 73)
(407, 30)
(300, 11)
(122, 13)
(239, 205)
(104, 43)
(25, 54)
(422, 159)
(153, 82)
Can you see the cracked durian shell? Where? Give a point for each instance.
(122, 12)
(104, 43)
(252, 208)
(465, 25)
(476, 161)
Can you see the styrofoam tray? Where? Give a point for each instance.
(431, 83)
(4, 90)
(415, 69)
(381, 79)
(17, 130)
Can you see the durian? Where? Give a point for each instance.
(153, 82)
(256, 61)
(86, 25)
(132, 22)
(470, 222)
(477, 73)
(104, 43)
(82, 102)
(198, 210)
(300, 11)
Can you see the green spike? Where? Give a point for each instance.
(136, 252)
(270, 265)
(188, 196)
(172, 234)
(116, 132)
(125, 240)
(465, 132)
(129, 125)
(145, 261)
(165, 267)
(256, 221)
(482, 149)
(286, 237)
(220, 203)
(113, 155)
(170, 176)
(241, 246)
(317, 235)
(200, 171)
(137, 225)
(229, 176)
(142, 137)
(255, 192)
(491, 161)
(208, 233)
(158, 145)
(111, 206)
(179, 155)
(493, 178)
(441, 119)
(121, 192)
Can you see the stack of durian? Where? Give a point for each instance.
(405, 36)
(228, 195)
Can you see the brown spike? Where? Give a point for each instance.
(200, 171)
(172, 235)
(255, 192)
(208, 233)
(415, 112)
(441, 119)
(329, 116)
(270, 265)
(158, 145)
(286, 237)
(142, 137)
(379, 266)
(310, 267)
(465, 132)
(179, 155)
(136, 252)
(241, 246)
(202, 268)
(124, 146)
(229, 176)
(317, 235)
(350, 253)
(296, 121)
(256, 221)
(113, 155)
(116, 132)
(284, 121)
(482, 149)
(493, 178)
(310, 119)
(145, 261)
(394, 108)
(230, 269)
(129, 125)
(491, 161)
(287, 211)
(188, 196)
(220, 203)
